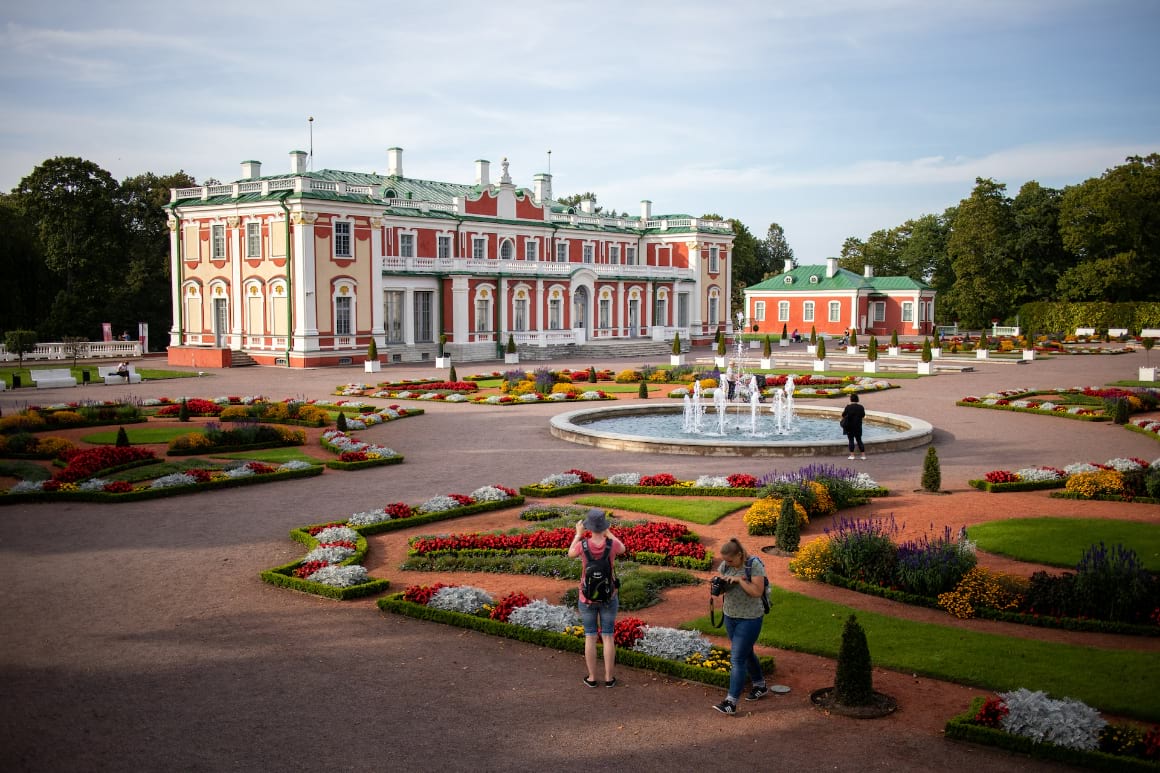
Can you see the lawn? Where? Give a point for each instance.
(143, 434)
(150, 471)
(148, 374)
(690, 509)
(25, 470)
(272, 456)
(1062, 541)
(1117, 681)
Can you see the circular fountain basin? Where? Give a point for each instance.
(599, 427)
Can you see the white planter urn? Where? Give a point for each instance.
(982, 354)
(676, 359)
(512, 359)
(783, 342)
(767, 363)
(851, 350)
(1147, 374)
(870, 366)
(442, 362)
(820, 365)
(926, 368)
(892, 351)
(936, 351)
(372, 366)
(811, 348)
(720, 362)
(1029, 354)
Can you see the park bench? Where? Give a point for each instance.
(53, 377)
(1085, 331)
(109, 374)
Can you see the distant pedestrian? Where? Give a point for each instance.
(851, 423)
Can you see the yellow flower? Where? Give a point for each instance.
(813, 559)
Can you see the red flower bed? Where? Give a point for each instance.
(342, 543)
(453, 386)
(308, 568)
(742, 480)
(352, 456)
(313, 530)
(661, 479)
(1000, 476)
(399, 510)
(462, 499)
(119, 487)
(85, 463)
(585, 477)
(421, 594)
(196, 407)
(992, 712)
(503, 608)
(663, 538)
(627, 631)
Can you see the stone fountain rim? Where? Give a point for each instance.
(569, 426)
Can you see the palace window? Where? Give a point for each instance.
(342, 309)
(614, 255)
(714, 303)
(393, 316)
(555, 319)
(479, 248)
(630, 256)
(588, 253)
(907, 311)
(808, 311)
(253, 240)
(482, 314)
(605, 313)
(521, 314)
(506, 250)
(342, 239)
(531, 248)
(835, 311)
(714, 260)
(218, 238)
(759, 311)
(406, 245)
(561, 252)
(423, 306)
(682, 309)
(783, 311)
(880, 311)
(443, 247)
(660, 313)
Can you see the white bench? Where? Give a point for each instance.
(109, 374)
(1150, 332)
(1085, 331)
(1116, 332)
(57, 377)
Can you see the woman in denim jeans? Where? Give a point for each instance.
(744, 610)
(599, 617)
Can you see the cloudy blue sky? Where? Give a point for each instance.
(833, 118)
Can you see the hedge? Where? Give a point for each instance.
(1137, 428)
(283, 576)
(1063, 317)
(211, 450)
(962, 728)
(395, 603)
(1036, 411)
(337, 464)
(1104, 498)
(418, 520)
(607, 488)
(155, 493)
(1019, 485)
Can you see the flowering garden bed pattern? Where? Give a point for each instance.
(1083, 403)
(665, 484)
(1118, 479)
(1065, 731)
(683, 654)
(807, 385)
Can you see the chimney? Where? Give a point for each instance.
(298, 161)
(251, 170)
(394, 162)
(645, 210)
(587, 206)
(867, 270)
(482, 173)
(542, 187)
(831, 267)
(788, 266)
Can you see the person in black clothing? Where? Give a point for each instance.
(851, 423)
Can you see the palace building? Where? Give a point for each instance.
(834, 301)
(303, 269)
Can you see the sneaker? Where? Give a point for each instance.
(757, 693)
(589, 682)
(611, 682)
(726, 707)
(851, 456)
(863, 457)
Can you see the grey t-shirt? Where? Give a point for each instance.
(736, 602)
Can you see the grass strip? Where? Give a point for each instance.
(143, 435)
(1116, 681)
(272, 456)
(1062, 541)
(692, 510)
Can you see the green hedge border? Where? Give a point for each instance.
(283, 576)
(1140, 430)
(134, 496)
(336, 464)
(1035, 411)
(1022, 485)
(607, 488)
(395, 603)
(961, 728)
(1104, 498)
(418, 520)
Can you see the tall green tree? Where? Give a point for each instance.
(1112, 225)
(750, 260)
(74, 209)
(779, 250)
(981, 252)
(1039, 255)
(25, 284)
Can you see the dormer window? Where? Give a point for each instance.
(789, 279)
(814, 279)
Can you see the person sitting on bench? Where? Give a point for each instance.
(123, 370)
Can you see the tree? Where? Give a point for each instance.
(25, 283)
(854, 679)
(575, 199)
(980, 249)
(872, 349)
(750, 258)
(1039, 255)
(778, 248)
(931, 472)
(788, 533)
(20, 343)
(74, 347)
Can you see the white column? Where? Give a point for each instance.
(622, 306)
(409, 317)
(175, 272)
(376, 294)
(305, 333)
(237, 295)
(459, 307)
(502, 300)
(646, 314)
(535, 316)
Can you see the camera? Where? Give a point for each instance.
(718, 586)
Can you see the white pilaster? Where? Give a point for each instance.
(237, 296)
(378, 329)
(459, 308)
(175, 289)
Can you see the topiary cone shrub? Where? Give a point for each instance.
(451, 376)
(813, 334)
(766, 349)
(982, 341)
(592, 374)
(122, 438)
(789, 531)
(642, 391)
(854, 680)
(931, 473)
(894, 338)
(822, 349)
(183, 411)
(853, 337)
(511, 344)
(927, 356)
(340, 422)
(784, 331)
(720, 346)
(442, 344)
(872, 349)
(677, 343)
(373, 350)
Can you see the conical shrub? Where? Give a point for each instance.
(122, 438)
(872, 349)
(340, 422)
(821, 349)
(642, 391)
(451, 376)
(677, 343)
(854, 681)
(931, 472)
(789, 531)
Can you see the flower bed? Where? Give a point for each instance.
(647, 543)
(354, 454)
(69, 415)
(569, 396)
(188, 482)
(1082, 480)
(213, 440)
(333, 566)
(547, 625)
(1082, 403)
(1149, 427)
(1063, 731)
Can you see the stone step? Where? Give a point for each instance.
(239, 359)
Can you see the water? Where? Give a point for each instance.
(672, 425)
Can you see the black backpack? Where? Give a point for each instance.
(597, 584)
(765, 591)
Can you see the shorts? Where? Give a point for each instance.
(600, 616)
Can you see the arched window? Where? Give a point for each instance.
(506, 250)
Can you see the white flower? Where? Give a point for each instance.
(438, 504)
(530, 397)
(333, 554)
(670, 643)
(1078, 467)
(589, 395)
(711, 481)
(863, 482)
(406, 394)
(560, 479)
(1123, 465)
(1047, 406)
(27, 485)
(428, 395)
(455, 398)
(337, 534)
(489, 494)
(92, 484)
(544, 616)
(341, 576)
(241, 471)
(460, 598)
(1036, 474)
(294, 464)
(173, 480)
(368, 517)
(679, 392)
(491, 400)
(1067, 722)
(558, 396)
(625, 479)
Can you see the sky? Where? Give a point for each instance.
(832, 118)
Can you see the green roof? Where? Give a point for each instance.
(813, 279)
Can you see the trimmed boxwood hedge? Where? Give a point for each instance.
(1036, 411)
(607, 488)
(962, 728)
(337, 464)
(418, 520)
(1104, 498)
(395, 603)
(133, 496)
(1020, 485)
(283, 576)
